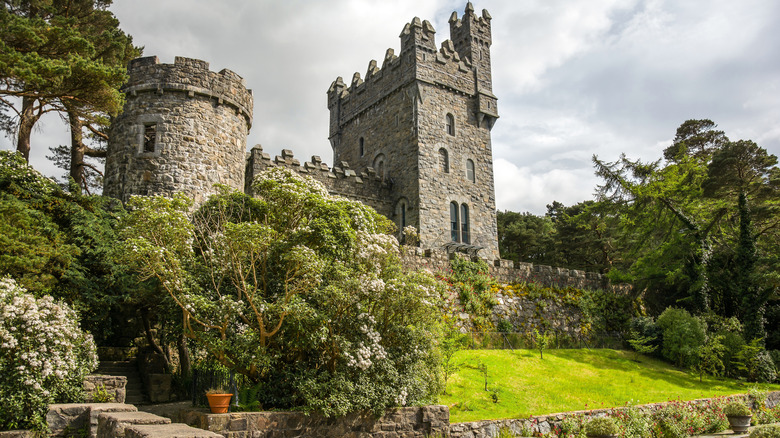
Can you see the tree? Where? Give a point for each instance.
(301, 292)
(61, 55)
(524, 237)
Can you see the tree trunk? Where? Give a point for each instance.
(77, 148)
(27, 119)
(150, 339)
(185, 366)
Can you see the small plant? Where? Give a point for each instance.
(526, 429)
(493, 394)
(602, 426)
(770, 431)
(541, 341)
(506, 432)
(217, 390)
(504, 326)
(571, 427)
(736, 409)
(101, 395)
(483, 369)
(635, 422)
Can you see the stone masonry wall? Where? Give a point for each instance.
(200, 120)
(113, 385)
(415, 422)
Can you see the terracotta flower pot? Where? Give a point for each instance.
(219, 403)
(739, 423)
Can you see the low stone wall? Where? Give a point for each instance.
(414, 422)
(545, 423)
(113, 385)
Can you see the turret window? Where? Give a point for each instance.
(459, 223)
(470, 171)
(362, 146)
(450, 124)
(150, 137)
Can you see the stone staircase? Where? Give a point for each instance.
(135, 386)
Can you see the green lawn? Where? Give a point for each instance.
(569, 380)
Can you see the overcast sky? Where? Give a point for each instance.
(573, 78)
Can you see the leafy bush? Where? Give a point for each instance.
(682, 336)
(472, 282)
(299, 291)
(644, 335)
(736, 408)
(504, 326)
(683, 419)
(44, 356)
(755, 363)
(770, 431)
(602, 426)
(634, 422)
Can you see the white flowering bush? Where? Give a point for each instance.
(300, 291)
(44, 356)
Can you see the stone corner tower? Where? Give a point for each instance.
(183, 129)
(422, 121)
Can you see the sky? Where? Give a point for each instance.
(574, 78)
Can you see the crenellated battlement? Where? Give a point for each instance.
(192, 77)
(364, 185)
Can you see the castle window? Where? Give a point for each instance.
(450, 123)
(470, 171)
(454, 223)
(464, 223)
(459, 223)
(444, 160)
(150, 137)
(361, 144)
(403, 215)
(379, 165)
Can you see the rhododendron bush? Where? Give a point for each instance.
(44, 356)
(298, 290)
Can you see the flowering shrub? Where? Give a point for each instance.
(44, 356)
(300, 291)
(682, 419)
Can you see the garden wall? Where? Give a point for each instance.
(546, 423)
(415, 422)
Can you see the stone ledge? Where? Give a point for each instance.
(113, 424)
(174, 430)
(70, 419)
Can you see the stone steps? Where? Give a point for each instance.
(134, 387)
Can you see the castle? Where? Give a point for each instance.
(411, 139)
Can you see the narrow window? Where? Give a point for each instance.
(150, 137)
(454, 227)
(362, 146)
(450, 124)
(403, 216)
(444, 160)
(464, 223)
(470, 171)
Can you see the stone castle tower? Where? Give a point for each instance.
(183, 129)
(412, 140)
(422, 123)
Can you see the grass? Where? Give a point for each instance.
(569, 380)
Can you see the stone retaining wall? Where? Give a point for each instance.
(545, 423)
(415, 422)
(113, 385)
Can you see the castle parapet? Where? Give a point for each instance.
(190, 76)
(364, 185)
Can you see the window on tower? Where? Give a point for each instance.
(470, 170)
(361, 146)
(450, 124)
(150, 137)
(444, 160)
(459, 223)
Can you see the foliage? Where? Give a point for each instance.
(101, 395)
(736, 408)
(644, 335)
(504, 326)
(524, 237)
(683, 335)
(475, 290)
(770, 431)
(451, 342)
(541, 341)
(44, 356)
(633, 422)
(299, 291)
(755, 364)
(602, 426)
(61, 243)
(709, 358)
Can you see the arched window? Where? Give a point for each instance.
(464, 223)
(361, 143)
(444, 160)
(470, 170)
(450, 123)
(379, 165)
(454, 223)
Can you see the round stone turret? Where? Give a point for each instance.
(183, 129)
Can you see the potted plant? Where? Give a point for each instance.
(739, 416)
(219, 400)
(602, 427)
